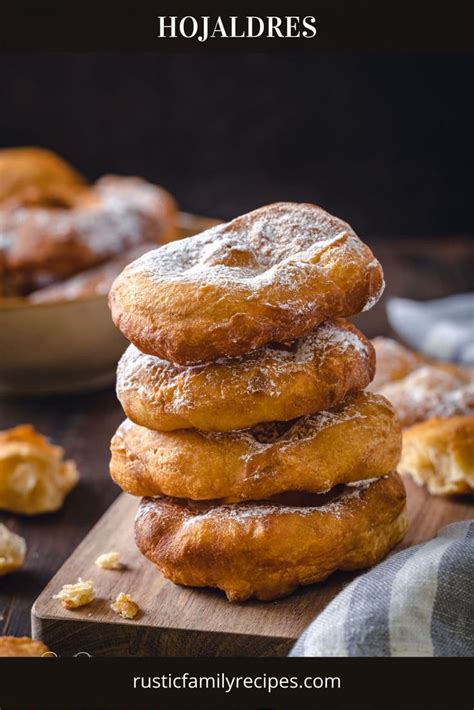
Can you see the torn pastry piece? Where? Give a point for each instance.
(34, 478)
(73, 596)
(439, 453)
(19, 646)
(109, 560)
(125, 607)
(12, 550)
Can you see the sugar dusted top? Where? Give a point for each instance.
(271, 275)
(255, 246)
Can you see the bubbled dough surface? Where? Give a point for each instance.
(358, 439)
(266, 550)
(276, 382)
(269, 276)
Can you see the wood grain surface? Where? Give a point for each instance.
(83, 425)
(179, 621)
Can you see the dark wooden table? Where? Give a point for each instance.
(83, 425)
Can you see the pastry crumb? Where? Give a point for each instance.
(73, 596)
(125, 606)
(12, 550)
(109, 560)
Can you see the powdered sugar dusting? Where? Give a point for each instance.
(281, 246)
(268, 434)
(121, 213)
(266, 370)
(251, 510)
(331, 335)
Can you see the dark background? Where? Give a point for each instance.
(384, 140)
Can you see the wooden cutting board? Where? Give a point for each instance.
(179, 621)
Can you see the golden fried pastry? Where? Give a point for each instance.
(14, 646)
(33, 476)
(91, 282)
(393, 361)
(266, 549)
(431, 391)
(271, 275)
(358, 439)
(41, 245)
(439, 453)
(12, 550)
(276, 382)
(35, 176)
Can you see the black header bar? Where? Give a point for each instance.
(341, 25)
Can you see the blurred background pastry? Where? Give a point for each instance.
(53, 225)
(91, 282)
(62, 243)
(36, 176)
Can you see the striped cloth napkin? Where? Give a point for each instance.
(442, 328)
(418, 602)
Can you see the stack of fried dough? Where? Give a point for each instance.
(262, 462)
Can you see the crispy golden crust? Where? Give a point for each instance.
(15, 646)
(274, 383)
(393, 361)
(42, 244)
(269, 276)
(34, 478)
(34, 176)
(440, 390)
(439, 453)
(267, 549)
(356, 440)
